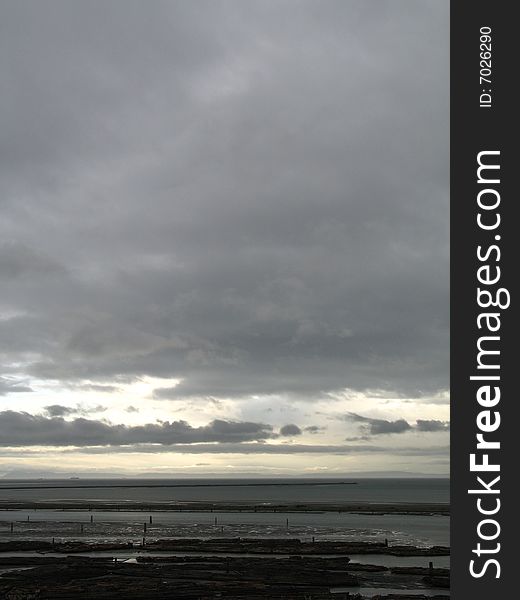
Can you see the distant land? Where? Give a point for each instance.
(36, 474)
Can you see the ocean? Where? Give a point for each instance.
(420, 530)
(410, 490)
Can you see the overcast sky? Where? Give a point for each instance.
(224, 236)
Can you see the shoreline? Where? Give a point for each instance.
(86, 486)
(236, 545)
(379, 508)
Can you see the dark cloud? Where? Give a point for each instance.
(23, 429)
(8, 386)
(314, 429)
(237, 194)
(381, 426)
(432, 425)
(290, 429)
(59, 410)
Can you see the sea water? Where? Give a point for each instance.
(420, 530)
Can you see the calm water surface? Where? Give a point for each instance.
(128, 525)
(221, 490)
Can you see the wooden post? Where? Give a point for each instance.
(12, 527)
(151, 520)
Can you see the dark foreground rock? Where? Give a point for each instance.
(190, 581)
(231, 546)
(290, 546)
(201, 578)
(409, 597)
(62, 547)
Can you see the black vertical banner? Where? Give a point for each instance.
(484, 357)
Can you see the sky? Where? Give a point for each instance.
(224, 237)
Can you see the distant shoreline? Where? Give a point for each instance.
(403, 508)
(172, 485)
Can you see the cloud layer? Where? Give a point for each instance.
(24, 429)
(254, 206)
(54, 429)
